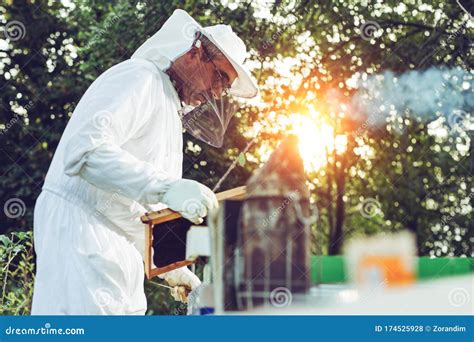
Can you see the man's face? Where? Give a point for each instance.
(204, 79)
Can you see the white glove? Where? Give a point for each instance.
(190, 198)
(182, 280)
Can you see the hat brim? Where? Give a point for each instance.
(244, 85)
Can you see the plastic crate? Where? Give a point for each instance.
(332, 269)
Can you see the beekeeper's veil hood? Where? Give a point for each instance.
(209, 121)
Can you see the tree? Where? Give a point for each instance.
(307, 57)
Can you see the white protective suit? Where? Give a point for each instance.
(121, 149)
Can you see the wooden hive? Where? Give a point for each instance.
(165, 237)
(274, 230)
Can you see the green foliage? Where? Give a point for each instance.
(410, 168)
(420, 182)
(16, 273)
(160, 301)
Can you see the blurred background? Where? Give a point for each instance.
(379, 93)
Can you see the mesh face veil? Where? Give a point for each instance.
(203, 88)
(209, 121)
(201, 83)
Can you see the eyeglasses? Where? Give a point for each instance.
(218, 77)
(222, 79)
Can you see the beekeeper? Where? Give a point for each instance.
(122, 150)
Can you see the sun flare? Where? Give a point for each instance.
(315, 141)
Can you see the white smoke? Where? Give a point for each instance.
(425, 95)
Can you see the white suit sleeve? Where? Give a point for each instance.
(118, 107)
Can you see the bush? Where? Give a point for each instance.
(16, 273)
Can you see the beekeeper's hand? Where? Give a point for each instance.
(183, 281)
(191, 199)
(180, 293)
